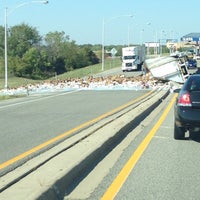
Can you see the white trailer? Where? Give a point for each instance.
(133, 58)
(167, 68)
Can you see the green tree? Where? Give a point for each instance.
(1, 50)
(55, 43)
(1, 40)
(21, 38)
(55, 46)
(87, 56)
(72, 58)
(30, 56)
(35, 64)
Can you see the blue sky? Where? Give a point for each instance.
(82, 19)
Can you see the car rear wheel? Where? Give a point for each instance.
(179, 132)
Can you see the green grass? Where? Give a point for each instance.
(86, 71)
(91, 70)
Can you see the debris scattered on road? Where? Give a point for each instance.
(117, 82)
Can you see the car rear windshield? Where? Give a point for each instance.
(193, 83)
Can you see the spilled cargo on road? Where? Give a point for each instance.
(167, 68)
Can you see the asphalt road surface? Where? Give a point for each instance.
(26, 123)
(166, 169)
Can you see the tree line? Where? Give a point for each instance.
(32, 56)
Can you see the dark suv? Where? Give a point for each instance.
(187, 108)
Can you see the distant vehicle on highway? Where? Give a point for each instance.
(187, 108)
(191, 63)
(133, 58)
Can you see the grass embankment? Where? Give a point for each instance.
(14, 82)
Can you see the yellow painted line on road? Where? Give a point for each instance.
(45, 144)
(124, 173)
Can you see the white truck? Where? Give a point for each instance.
(133, 58)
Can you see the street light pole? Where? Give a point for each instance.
(103, 37)
(141, 36)
(102, 60)
(161, 38)
(6, 51)
(155, 38)
(128, 36)
(6, 34)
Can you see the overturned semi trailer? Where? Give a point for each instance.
(167, 68)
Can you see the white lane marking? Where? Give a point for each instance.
(34, 100)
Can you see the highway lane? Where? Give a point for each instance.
(148, 178)
(167, 169)
(28, 122)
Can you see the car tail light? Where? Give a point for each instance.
(184, 100)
